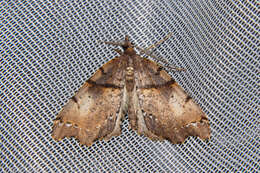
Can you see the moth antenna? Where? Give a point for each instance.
(111, 43)
(167, 64)
(159, 42)
(148, 53)
(114, 43)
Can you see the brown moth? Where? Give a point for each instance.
(156, 105)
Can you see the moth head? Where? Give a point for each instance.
(128, 46)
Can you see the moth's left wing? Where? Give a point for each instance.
(164, 110)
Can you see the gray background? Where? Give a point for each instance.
(49, 49)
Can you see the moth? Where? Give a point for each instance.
(157, 107)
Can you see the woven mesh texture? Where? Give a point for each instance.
(49, 49)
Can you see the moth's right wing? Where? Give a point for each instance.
(96, 110)
(164, 110)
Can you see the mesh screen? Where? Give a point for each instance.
(48, 50)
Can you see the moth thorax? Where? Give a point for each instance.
(130, 51)
(129, 73)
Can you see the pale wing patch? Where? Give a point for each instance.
(185, 111)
